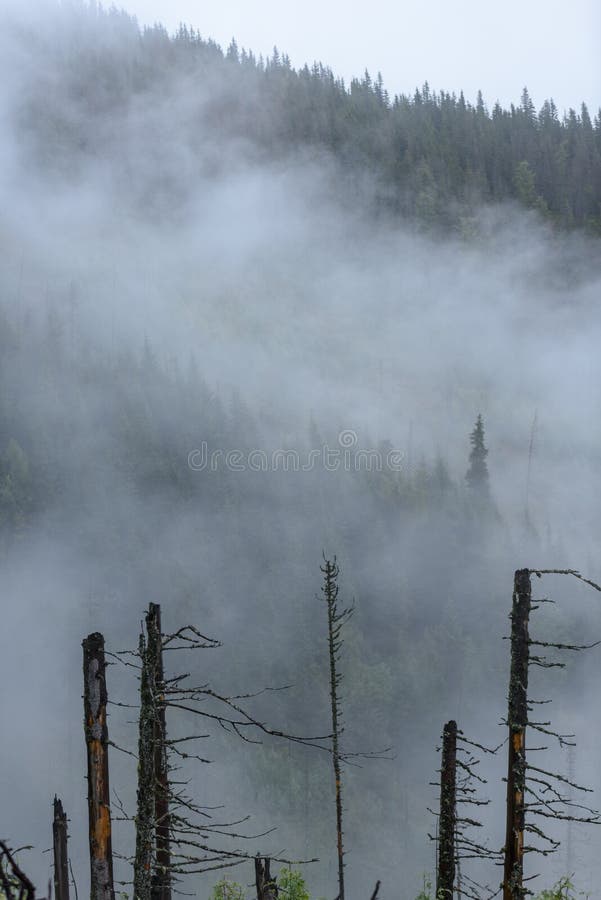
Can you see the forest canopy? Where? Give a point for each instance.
(432, 156)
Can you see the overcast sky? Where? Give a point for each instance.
(552, 46)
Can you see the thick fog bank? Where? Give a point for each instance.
(164, 285)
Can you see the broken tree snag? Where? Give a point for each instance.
(267, 889)
(517, 719)
(61, 855)
(161, 879)
(96, 733)
(152, 864)
(336, 619)
(445, 874)
(145, 821)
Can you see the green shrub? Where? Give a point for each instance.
(227, 890)
(292, 884)
(562, 890)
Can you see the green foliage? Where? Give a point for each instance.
(227, 890)
(525, 183)
(562, 890)
(426, 891)
(292, 885)
(290, 882)
(13, 885)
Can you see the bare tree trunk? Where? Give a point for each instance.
(161, 880)
(445, 873)
(152, 866)
(517, 719)
(266, 887)
(61, 854)
(145, 821)
(96, 733)
(330, 592)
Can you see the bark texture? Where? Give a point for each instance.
(144, 855)
(445, 874)
(96, 734)
(517, 718)
(152, 864)
(161, 879)
(266, 886)
(61, 853)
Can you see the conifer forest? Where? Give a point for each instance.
(300, 468)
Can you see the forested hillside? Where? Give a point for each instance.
(209, 262)
(433, 157)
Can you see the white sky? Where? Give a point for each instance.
(552, 46)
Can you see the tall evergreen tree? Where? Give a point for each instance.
(477, 473)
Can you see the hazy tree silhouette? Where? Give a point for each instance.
(477, 473)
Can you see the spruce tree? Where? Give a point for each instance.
(477, 473)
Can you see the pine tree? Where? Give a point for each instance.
(233, 54)
(477, 473)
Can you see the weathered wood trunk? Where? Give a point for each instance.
(96, 734)
(161, 880)
(152, 865)
(445, 873)
(145, 823)
(61, 853)
(517, 718)
(266, 887)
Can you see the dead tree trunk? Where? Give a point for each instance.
(161, 880)
(517, 719)
(267, 889)
(61, 855)
(152, 866)
(96, 733)
(445, 874)
(145, 821)
(336, 619)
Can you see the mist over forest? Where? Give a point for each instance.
(205, 253)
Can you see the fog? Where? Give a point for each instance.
(164, 283)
